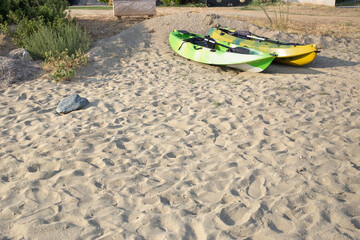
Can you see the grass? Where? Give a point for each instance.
(280, 10)
(185, 5)
(335, 29)
(348, 27)
(91, 7)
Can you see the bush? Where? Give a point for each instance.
(67, 37)
(107, 2)
(24, 29)
(4, 9)
(170, 2)
(45, 30)
(4, 28)
(62, 67)
(16, 10)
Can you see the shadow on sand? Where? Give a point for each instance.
(107, 54)
(327, 62)
(320, 63)
(287, 69)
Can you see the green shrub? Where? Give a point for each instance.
(4, 9)
(16, 10)
(170, 2)
(4, 28)
(188, 3)
(62, 66)
(45, 30)
(66, 37)
(107, 2)
(24, 29)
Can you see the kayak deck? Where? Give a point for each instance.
(287, 53)
(206, 50)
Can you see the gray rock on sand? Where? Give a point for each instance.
(20, 53)
(71, 103)
(17, 71)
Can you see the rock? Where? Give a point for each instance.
(16, 53)
(71, 103)
(20, 53)
(17, 71)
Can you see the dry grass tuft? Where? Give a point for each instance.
(339, 29)
(314, 20)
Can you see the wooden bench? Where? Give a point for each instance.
(134, 7)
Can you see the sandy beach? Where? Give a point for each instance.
(173, 149)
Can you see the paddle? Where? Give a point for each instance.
(255, 37)
(212, 42)
(231, 49)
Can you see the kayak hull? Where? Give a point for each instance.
(298, 60)
(254, 61)
(295, 55)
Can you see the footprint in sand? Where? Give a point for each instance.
(237, 213)
(42, 197)
(256, 188)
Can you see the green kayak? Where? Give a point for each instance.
(207, 50)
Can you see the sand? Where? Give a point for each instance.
(173, 149)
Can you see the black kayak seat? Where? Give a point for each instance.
(209, 42)
(240, 50)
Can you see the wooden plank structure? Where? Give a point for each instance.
(317, 2)
(134, 7)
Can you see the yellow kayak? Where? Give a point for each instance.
(287, 53)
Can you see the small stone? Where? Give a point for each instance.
(71, 103)
(16, 53)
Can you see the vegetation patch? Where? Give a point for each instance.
(91, 7)
(47, 32)
(62, 66)
(183, 3)
(170, 2)
(66, 38)
(278, 8)
(16, 10)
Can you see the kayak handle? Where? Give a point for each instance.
(197, 48)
